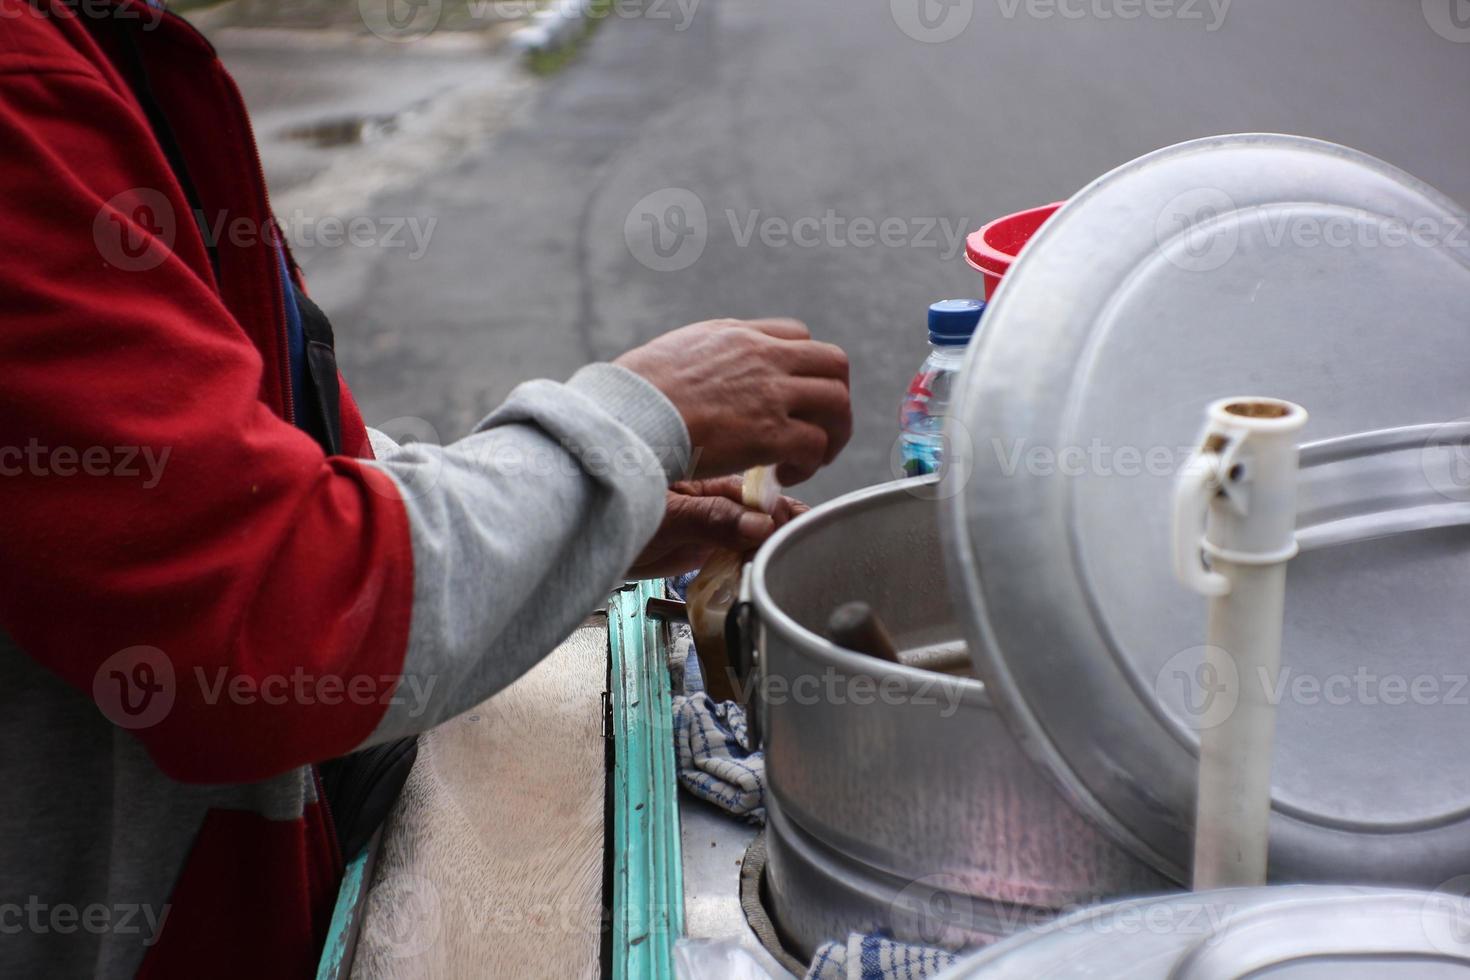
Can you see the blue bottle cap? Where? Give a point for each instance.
(952, 322)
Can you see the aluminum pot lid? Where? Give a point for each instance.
(1289, 932)
(1238, 265)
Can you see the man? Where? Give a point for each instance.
(208, 584)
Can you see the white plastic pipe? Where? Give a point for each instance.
(1234, 532)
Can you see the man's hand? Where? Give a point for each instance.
(752, 393)
(704, 515)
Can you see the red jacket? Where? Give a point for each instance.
(111, 345)
(185, 599)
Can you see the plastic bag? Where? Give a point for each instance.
(719, 959)
(716, 588)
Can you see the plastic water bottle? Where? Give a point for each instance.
(952, 323)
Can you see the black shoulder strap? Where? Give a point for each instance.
(323, 416)
(136, 73)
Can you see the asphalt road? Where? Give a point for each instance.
(767, 141)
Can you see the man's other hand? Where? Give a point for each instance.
(703, 515)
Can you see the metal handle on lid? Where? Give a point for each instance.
(1390, 481)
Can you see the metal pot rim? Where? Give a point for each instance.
(772, 616)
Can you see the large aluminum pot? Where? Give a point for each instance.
(895, 788)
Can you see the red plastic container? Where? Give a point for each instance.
(994, 247)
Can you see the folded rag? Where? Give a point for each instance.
(874, 958)
(714, 764)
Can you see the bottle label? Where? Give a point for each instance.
(921, 445)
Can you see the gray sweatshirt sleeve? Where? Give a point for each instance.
(520, 529)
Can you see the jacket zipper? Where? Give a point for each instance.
(330, 819)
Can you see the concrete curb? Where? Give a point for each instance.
(563, 23)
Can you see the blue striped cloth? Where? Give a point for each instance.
(876, 958)
(714, 764)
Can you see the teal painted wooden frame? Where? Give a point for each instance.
(647, 868)
(336, 959)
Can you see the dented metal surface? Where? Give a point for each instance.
(905, 779)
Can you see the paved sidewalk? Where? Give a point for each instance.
(342, 115)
